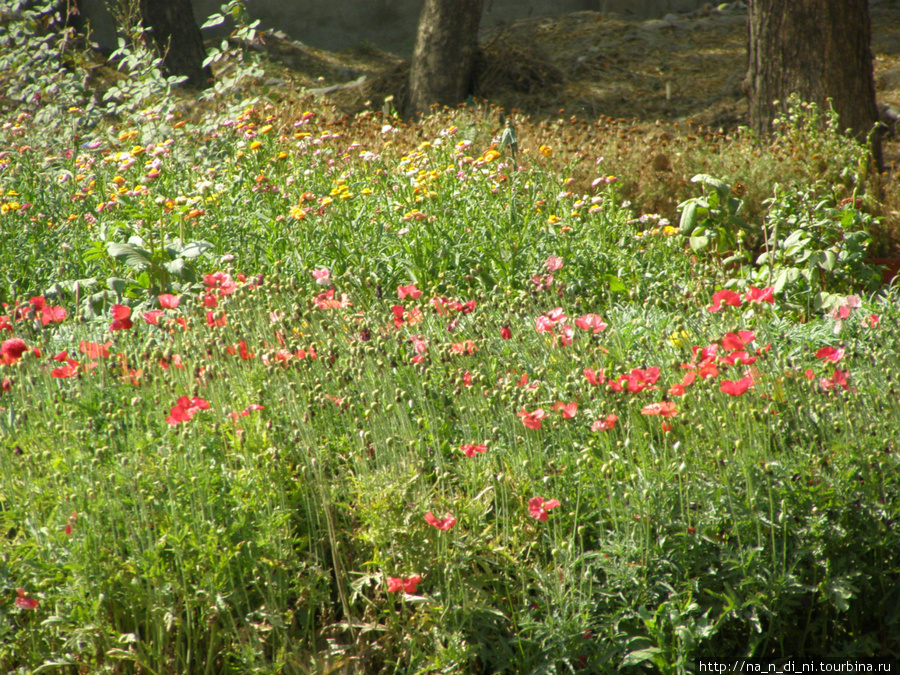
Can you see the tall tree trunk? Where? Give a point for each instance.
(444, 56)
(177, 38)
(819, 49)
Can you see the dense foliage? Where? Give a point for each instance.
(305, 393)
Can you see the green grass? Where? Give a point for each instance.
(761, 524)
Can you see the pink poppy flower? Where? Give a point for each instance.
(538, 507)
(472, 448)
(444, 523)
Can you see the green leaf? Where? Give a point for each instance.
(195, 249)
(652, 654)
(213, 20)
(780, 281)
(132, 256)
(699, 243)
(829, 262)
(118, 285)
(688, 218)
(615, 284)
(175, 267)
(719, 186)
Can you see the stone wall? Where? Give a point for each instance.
(387, 24)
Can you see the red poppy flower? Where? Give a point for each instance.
(121, 318)
(676, 390)
(593, 322)
(538, 507)
(605, 423)
(24, 602)
(185, 408)
(467, 378)
(738, 357)
(566, 335)
(724, 296)
(663, 408)
(739, 340)
(5, 384)
(52, 315)
(838, 379)
(542, 324)
(221, 282)
(241, 349)
(554, 263)
(406, 584)
(759, 295)
(212, 320)
(168, 301)
(595, 377)
(830, 354)
(505, 332)
(472, 448)
(94, 350)
(567, 410)
(68, 370)
(737, 387)
(444, 523)
(464, 347)
(11, 350)
(152, 317)
(410, 291)
(532, 420)
(707, 369)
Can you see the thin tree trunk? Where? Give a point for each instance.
(819, 49)
(178, 39)
(444, 55)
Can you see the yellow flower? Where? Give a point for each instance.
(491, 155)
(545, 150)
(670, 230)
(281, 155)
(297, 213)
(266, 129)
(255, 144)
(118, 180)
(553, 219)
(678, 338)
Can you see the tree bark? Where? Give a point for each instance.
(444, 56)
(178, 39)
(819, 49)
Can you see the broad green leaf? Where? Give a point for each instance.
(195, 249)
(213, 20)
(651, 654)
(699, 243)
(132, 256)
(718, 185)
(829, 262)
(688, 218)
(780, 281)
(615, 284)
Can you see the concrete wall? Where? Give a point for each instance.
(387, 24)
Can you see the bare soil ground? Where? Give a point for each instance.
(688, 68)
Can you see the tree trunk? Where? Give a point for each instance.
(444, 56)
(819, 49)
(177, 38)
